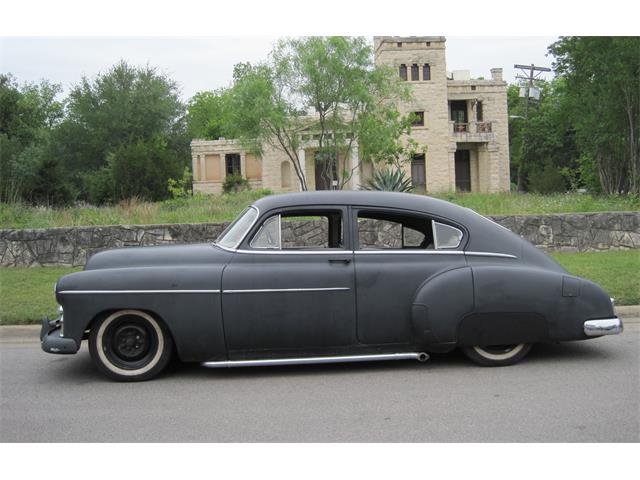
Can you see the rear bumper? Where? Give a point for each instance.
(604, 326)
(52, 341)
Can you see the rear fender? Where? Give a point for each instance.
(439, 305)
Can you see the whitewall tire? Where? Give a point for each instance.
(497, 355)
(130, 345)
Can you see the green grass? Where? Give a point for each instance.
(26, 293)
(224, 208)
(196, 209)
(533, 203)
(618, 272)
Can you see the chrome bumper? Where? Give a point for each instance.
(605, 326)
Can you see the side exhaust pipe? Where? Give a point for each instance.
(420, 356)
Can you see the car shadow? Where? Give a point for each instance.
(80, 369)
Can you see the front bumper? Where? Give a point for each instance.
(604, 326)
(51, 339)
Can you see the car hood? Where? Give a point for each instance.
(158, 256)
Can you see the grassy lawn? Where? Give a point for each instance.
(223, 208)
(618, 272)
(26, 293)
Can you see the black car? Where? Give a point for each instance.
(326, 277)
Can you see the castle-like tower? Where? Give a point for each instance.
(462, 121)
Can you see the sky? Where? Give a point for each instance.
(206, 63)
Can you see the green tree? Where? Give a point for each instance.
(28, 115)
(333, 77)
(112, 121)
(550, 152)
(207, 115)
(603, 100)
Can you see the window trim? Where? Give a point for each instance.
(343, 210)
(459, 249)
(420, 115)
(435, 236)
(279, 247)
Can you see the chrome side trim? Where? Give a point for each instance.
(232, 250)
(409, 252)
(605, 326)
(420, 356)
(273, 290)
(250, 227)
(106, 292)
(296, 252)
(490, 254)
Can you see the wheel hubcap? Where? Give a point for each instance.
(131, 341)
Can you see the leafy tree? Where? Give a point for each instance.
(206, 115)
(28, 113)
(352, 100)
(603, 100)
(127, 117)
(550, 151)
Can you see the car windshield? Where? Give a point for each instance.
(236, 231)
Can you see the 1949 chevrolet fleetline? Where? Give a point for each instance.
(326, 277)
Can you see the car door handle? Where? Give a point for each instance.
(344, 261)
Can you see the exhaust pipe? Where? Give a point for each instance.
(420, 356)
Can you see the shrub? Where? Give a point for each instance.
(547, 180)
(235, 183)
(389, 181)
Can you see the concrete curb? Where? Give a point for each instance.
(630, 314)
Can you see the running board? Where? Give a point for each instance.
(420, 356)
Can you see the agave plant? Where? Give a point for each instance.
(389, 180)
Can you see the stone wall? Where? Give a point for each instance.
(72, 246)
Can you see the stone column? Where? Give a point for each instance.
(451, 164)
(494, 168)
(223, 168)
(303, 165)
(243, 164)
(483, 169)
(195, 167)
(203, 168)
(355, 165)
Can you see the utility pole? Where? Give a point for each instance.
(529, 73)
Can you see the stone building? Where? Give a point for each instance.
(462, 121)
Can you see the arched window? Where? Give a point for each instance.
(285, 174)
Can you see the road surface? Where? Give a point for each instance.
(580, 391)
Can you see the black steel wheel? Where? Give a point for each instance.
(497, 355)
(130, 345)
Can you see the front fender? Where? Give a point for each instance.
(185, 298)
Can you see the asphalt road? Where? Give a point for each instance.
(579, 391)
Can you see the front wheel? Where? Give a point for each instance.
(497, 355)
(130, 346)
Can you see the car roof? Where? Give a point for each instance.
(409, 201)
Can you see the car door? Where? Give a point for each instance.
(395, 253)
(291, 284)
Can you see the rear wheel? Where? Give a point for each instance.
(130, 346)
(497, 355)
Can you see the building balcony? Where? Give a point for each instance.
(471, 131)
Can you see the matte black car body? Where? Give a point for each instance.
(238, 303)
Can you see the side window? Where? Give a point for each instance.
(388, 230)
(301, 230)
(446, 236)
(269, 234)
